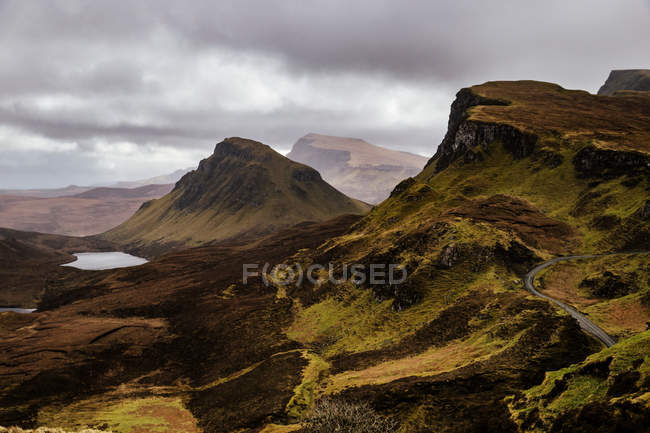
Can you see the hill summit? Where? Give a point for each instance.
(360, 169)
(245, 189)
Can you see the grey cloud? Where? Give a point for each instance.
(460, 41)
(420, 39)
(151, 72)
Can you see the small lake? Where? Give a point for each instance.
(17, 310)
(102, 261)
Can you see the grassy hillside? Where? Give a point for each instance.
(614, 291)
(516, 181)
(244, 190)
(609, 391)
(548, 111)
(164, 346)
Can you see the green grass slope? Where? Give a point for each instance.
(609, 391)
(527, 171)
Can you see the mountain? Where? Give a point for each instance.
(355, 167)
(79, 210)
(244, 190)
(629, 79)
(86, 213)
(527, 172)
(157, 180)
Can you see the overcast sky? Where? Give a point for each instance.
(96, 91)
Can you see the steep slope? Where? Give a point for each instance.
(86, 213)
(527, 171)
(245, 189)
(356, 167)
(607, 392)
(629, 79)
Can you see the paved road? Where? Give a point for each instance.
(586, 324)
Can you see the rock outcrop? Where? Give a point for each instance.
(593, 162)
(464, 135)
(629, 79)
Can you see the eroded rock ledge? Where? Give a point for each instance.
(593, 162)
(463, 134)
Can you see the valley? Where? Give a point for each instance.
(369, 216)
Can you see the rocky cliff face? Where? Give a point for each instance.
(463, 135)
(211, 183)
(593, 162)
(630, 79)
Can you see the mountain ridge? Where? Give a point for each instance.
(84, 213)
(72, 190)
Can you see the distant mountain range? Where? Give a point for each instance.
(71, 190)
(80, 210)
(88, 212)
(46, 192)
(355, 167)
(626, 80)
(157, 180)
(244, 190)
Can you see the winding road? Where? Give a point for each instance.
(586, 324)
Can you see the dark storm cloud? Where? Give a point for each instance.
(118, 88)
